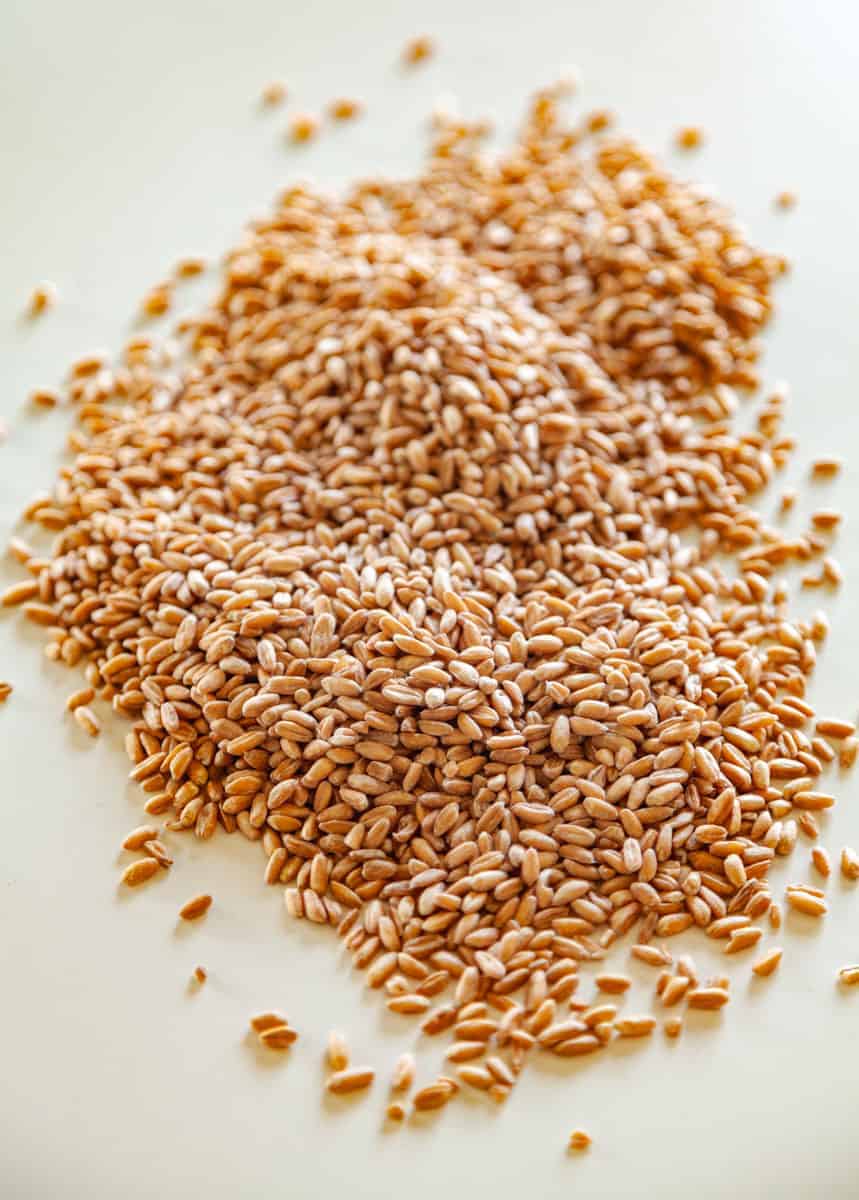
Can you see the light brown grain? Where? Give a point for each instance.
(196, 907)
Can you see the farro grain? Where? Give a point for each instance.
(418, 49)
(42, 297)
(579, 1140)
(388, 575)
(196, 907)
(278, 1037)
(87, 720)
(273, 93)
(138, 872)
(139, 837)
(404, 1073)
(640, 1026)
(708, 997)
(768, 962)
(434, 1095)
(689, 137)
(849, 976)
(267, 1020)
(849, 863)
(337, 1051)
(345, 109)
(303, 127)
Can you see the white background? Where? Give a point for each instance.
(129, 135)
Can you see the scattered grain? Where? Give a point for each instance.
(338, 1051)
(352, 1079)
(42, 297)
(768, 962)
(689, 137)
(418, 50)
(138, 872)
(273, 93)
(345, 109)
(196, 907)
(849, 863)
(303, 127)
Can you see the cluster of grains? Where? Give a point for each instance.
(273, 1030)
(388, 575)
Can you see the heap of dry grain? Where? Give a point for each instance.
(387, 574)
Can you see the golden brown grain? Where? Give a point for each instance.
(18, 593)
(640, 1026)
(87, 720)
(708, 997)
(190, 266)
(137, 838)
(196, 907)
(768, 962)
(5, 691)
(821, 862)
(435, 1095)
(848, 752)
(273, 93)
(278, 1037)
(804, 900)
(157, 300)
(81, 696)
(825, 468)
(337, 1051)
(579, 1140)
(42, 297)
(352, 1079)
(267, 1020)
(849, 976)
(673, 1026)
(689, 137)
(345, 109)
(303, 127)
(613, 984)
(45, 398)
(849, 862)
(785, 200)
(201, 975)
(138, 872)
(395, 1112)
(418, 50)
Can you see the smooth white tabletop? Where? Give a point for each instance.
(130, 134)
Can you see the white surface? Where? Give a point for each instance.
(129, 134)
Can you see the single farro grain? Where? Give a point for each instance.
(139, 871)
(196, 907)
(579, 1139)
(278, 1037)
(267, 1020)
(352, 1079)
(768, 962)
(337, 1051)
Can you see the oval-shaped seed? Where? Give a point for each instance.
(138, 872)
(353, 1079)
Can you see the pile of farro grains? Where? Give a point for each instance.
(429, 564)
